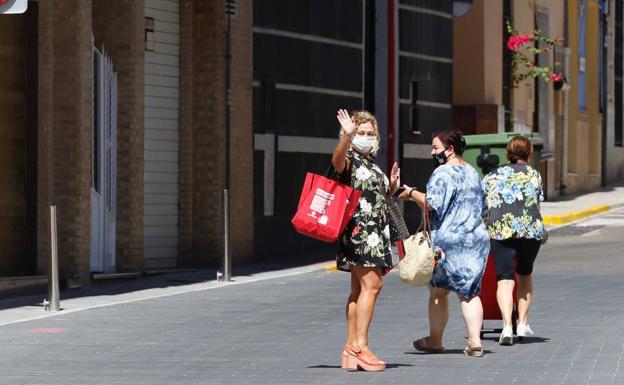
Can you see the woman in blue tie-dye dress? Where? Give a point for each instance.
(455, 203)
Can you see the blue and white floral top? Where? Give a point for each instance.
(513, 192)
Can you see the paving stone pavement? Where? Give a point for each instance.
(290, 329)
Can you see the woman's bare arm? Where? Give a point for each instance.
(347, 125)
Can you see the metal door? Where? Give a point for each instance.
(104, 166)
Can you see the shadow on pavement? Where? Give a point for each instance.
(446, 351)
(388, 366)
(521, 340)
(532, 340)
(323, 367)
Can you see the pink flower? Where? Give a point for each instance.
(556, 76)
(515, 42)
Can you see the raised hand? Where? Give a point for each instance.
(395, 177)
(347, 123)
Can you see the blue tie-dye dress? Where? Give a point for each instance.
(456, 196)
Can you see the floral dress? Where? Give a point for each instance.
(513, 193)
(455, 195)
(366, 239)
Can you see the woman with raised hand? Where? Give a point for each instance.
(454, 202)
(364, 248)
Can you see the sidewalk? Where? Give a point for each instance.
(563, 210)
(26, 308)
(569, 208)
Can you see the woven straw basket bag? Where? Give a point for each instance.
(416, 268)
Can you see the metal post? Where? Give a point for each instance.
(53, 280)
(227, 261)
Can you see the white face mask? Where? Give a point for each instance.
(364, 144)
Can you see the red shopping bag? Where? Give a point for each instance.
(325, 208)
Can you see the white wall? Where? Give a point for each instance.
(162, 100)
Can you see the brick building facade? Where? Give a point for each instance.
(52, 149)
(168, 107)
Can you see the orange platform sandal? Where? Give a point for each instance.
(365, 360)
(347, 352)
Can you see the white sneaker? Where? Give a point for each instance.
(506, 337)
(524, 330)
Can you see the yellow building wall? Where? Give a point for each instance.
(522, 97)
(468, 56)
(592, 76)
(573, 19)
(584, 131)
(477, 55)
(550, 168)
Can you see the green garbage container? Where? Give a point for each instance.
(495, 144)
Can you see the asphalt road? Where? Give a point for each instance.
(290, 330)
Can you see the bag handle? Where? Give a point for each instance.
(425, 224)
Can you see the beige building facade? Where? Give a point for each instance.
(575, 156)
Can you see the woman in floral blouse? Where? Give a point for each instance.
(364, 249)
(513, 192)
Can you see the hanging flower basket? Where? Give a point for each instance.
(560, 82)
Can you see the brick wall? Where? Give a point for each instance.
(185, 233)
(202, 132)
(242, 133)
(118, 27)
(65, 130)
(45, 178)
(13, 140)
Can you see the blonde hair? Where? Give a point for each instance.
(361, 117)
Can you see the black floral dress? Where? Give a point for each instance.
(366, 240)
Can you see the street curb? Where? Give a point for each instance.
(576, 215)
(331, 267)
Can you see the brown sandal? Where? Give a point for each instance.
(422, 345)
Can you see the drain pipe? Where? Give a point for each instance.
(566, 119)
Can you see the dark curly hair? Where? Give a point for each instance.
(451, 138)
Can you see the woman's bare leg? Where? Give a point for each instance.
(504, 297)
(525, 294)
(438, 316)
(370, 286)
(350, 309)
(472, 310)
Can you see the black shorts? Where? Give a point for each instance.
(522, 250)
